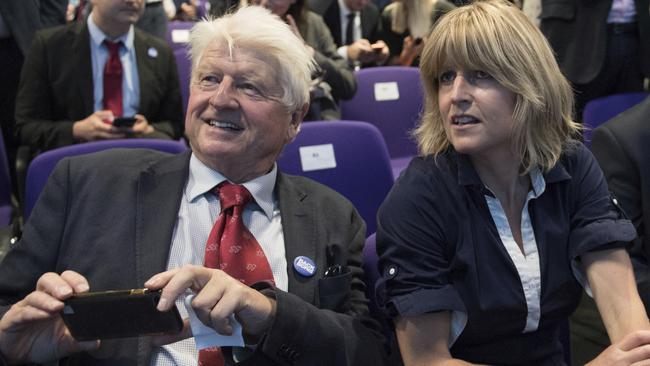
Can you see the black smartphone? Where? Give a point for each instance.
(118, 314)
(124, 122)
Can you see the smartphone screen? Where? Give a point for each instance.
(124, 122)
(118, 314)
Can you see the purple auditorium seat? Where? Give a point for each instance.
(40, 168)
(5, 186)
(178, 35)
(390, 98)
(601, 110)
(370, 276)
(347, 156)
(371, 271)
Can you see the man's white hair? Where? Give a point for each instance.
(256, 28)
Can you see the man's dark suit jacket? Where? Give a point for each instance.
(330, 11)
(113, 223)
(25, 17)
(56, 87)
(577, 32)
(622, 148)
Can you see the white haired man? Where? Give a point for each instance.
(249, 93)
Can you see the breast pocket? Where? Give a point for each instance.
(334, 292)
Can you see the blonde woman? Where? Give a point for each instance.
(487, 240)
(406, 23)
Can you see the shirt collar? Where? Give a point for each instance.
(344, 9)
(538, 182)
(98, 37)
(203, 178)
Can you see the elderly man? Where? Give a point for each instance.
(79, 77)
(160, 221)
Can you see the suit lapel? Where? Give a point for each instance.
(160, 190)
(159, 194)
(145, 55)
(366, 24)
(300, 234)
(333, 19)
(81, 63)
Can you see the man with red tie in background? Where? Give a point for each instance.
(78, 78)
(281, 253)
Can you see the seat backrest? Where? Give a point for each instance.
(347, 156)
(43, 164)
(178, 36)
(370, 277)
(390, 98)
(371, 271)
(601, 110)
(5, 186)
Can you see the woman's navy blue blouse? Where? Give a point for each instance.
(440, 250)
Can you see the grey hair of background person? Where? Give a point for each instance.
(255, 28)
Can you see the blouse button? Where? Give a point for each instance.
(391, 271)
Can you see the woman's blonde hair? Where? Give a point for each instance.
(496, 37)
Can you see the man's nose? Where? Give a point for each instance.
(224, 95)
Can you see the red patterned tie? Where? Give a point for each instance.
(233, 249)
(113, 79)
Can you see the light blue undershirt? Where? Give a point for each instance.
(130, 81)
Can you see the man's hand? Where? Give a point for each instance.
(141, 126)
(33, 331)
(633, 349)
(217, 297)
(188, 11)
(381, 51)
(97, 126)
(361, 51)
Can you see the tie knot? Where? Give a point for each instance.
(113, 47)
(231, 195)
(351, 16)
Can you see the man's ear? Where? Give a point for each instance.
(296, 119)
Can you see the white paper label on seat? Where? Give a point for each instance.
(180, 35)
(386, 91)
(317, 157)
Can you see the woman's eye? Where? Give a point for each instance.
(446, 77)
(482, 75)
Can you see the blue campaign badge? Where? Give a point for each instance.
(304, 266)
(152, 52)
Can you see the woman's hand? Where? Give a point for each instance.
(634, 349)
(411, 49)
